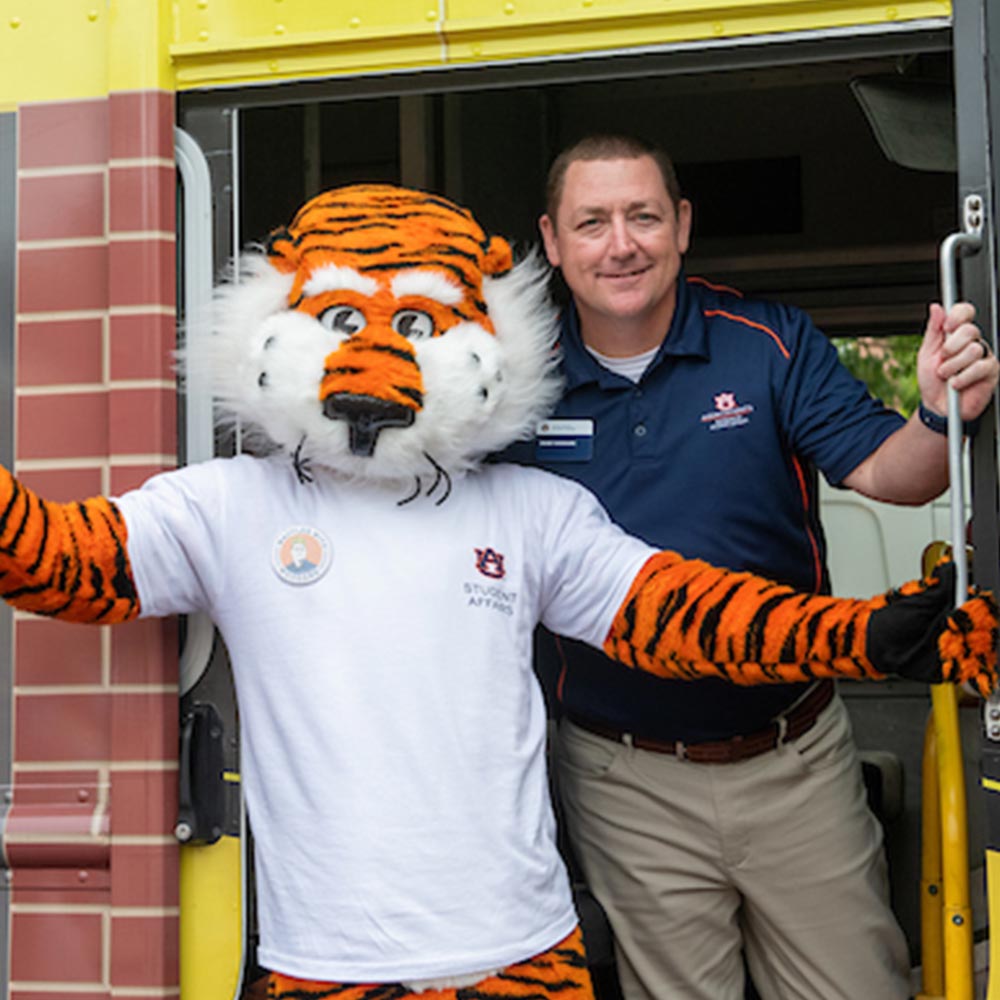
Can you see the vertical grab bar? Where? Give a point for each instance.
(945, 911)
(956, 910)
(931, 881)
(970, 238)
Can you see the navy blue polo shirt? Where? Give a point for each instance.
(712, 454)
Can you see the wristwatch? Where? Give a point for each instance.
(935, 422)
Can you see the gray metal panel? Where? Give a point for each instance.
(976, 32)
(8, 304)
(977, 73)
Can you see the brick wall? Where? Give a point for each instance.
(91, 859)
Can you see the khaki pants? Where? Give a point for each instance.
(778, 855)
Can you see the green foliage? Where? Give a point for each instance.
(888, 365)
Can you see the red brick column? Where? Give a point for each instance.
(89, 842)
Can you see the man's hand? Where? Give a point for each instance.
(918, 633)
(954, 350)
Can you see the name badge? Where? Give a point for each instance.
(564, 440)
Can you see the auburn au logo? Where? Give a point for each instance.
(489, 562)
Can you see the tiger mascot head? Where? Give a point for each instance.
(384, 335)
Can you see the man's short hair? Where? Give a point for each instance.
(607, 147)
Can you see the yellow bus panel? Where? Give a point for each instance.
(512, 29)
(228, 42)
(59, 49)
(236, 23)
(69, 49)
(211, 924)
(53, 50)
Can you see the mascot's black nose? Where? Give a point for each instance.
(366, 416)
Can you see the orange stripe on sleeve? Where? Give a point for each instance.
(752, 323)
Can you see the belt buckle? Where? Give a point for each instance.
(680, 749)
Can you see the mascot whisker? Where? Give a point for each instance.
(377, 586)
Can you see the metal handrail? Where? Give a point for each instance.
(946, 914)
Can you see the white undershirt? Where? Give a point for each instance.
(631, 367)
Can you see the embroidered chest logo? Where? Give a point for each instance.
(490, 596)
(728, 412)
(301, 555)
(489, 562)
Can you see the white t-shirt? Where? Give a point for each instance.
(394, 732)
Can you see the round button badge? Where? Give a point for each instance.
(301, 555)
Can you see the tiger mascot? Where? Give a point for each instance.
(377, 586)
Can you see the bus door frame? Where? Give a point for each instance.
(212, 119)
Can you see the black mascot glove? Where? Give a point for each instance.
(918, 633)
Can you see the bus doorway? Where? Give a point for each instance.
(795, 199)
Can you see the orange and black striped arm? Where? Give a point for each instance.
(65, 560)
(686, 619)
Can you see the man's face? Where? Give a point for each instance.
(618, 239)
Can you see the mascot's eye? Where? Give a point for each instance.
(413, 324)
(343, 319)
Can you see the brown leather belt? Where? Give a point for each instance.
(799, 719)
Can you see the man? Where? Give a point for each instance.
(710, 821)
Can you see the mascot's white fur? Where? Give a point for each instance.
(378, 588)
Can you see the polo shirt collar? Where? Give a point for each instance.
(687, 337)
